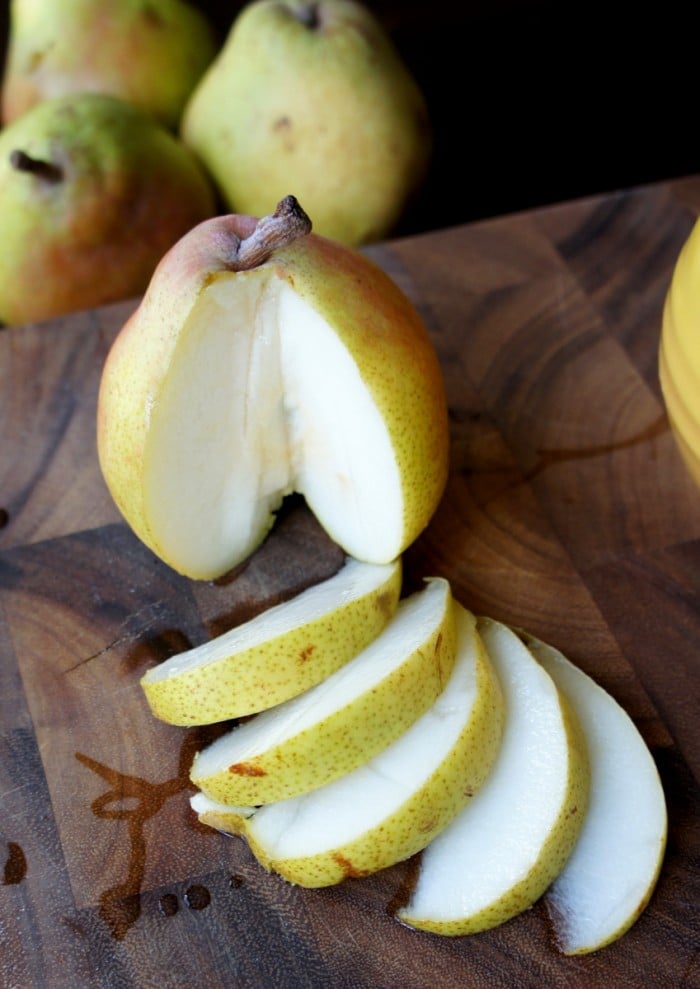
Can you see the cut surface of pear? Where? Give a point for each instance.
(612, 871)
(279, 653)
(344, 721)
(501, 852)
(392, 806)
(228, 390)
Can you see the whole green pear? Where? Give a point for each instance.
(149, 52)
(314, 99)
(92, 193)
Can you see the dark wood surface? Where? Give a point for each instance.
(568, 511)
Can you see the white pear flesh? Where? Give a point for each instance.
(344, 721)
(396, 803)
(501, 852)
(612, 872)
(279, 653)
(228, 390)
(288, 407)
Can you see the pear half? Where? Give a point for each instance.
(344, 721)
(279, 653)
(612, 871)
(501, 852)
(392, 806)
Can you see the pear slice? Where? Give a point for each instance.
(502, 851)
(281, 652)
(612, 872)
(344, 721)
(392, 806)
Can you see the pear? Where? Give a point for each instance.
(344, 721)
(265, 360)
(92, 193)
(499, 855)
(392, 806)
(147, 52)
(313, 98)
(612, 872)
(278, 654)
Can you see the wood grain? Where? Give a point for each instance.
(568, 511)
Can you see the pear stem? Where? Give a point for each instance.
(36, 166)
(286, 224)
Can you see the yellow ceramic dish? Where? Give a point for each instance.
(679, 352)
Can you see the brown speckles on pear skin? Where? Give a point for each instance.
(348, 869)
(307, 652)
(386, 603)
(153, 18)
(246, 769)
(34, 61)
(283, 129)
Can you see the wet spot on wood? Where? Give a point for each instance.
(197, 897)
(15, 865)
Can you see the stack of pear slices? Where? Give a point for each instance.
(376, 727)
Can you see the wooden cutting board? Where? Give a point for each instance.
(568, 512)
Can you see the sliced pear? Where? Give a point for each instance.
(501, 852)
(264, 360)
(612, 872)
(229, 818)
(279, 653)
(392, 806)
(344, 721)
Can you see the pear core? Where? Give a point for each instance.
(293, 415)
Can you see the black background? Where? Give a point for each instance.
(532, 103)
